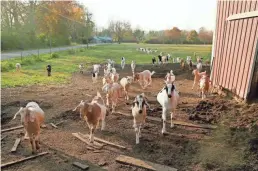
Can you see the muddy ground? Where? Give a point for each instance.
(178, 149)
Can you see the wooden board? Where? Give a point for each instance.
(107, 142)
(81, 166)
(22, 160)
(143, 164)
(53, 125)
(16, 143)
(84, 140)
(87, 137)
(175, 122)
(11, 129)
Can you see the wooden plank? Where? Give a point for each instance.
(175, 122)
(59, 123)
(11, 129)
(107, 142)
(53, 125)
(16, 143)
(94, 143)
(143, 164)
(84, 140)
(81, 166)
(22, 160)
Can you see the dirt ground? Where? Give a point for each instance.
(178, 149)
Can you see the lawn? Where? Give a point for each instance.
(66, 62)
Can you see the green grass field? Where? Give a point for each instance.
(34, 72)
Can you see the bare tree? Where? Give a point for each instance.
(119, 29)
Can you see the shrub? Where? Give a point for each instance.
(54, 55)
(5, 67)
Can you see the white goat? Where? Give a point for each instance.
(125, 83)
(199, 66)
(96, 68)
(133, 65)
(168, 98)
(139, 114)
(144, 78)
(18, 66)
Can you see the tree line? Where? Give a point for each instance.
(121, 31)
(31, 24)
(36, 24)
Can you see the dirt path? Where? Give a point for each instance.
(176, 150)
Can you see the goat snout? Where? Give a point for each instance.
(169, 96)
(140, 111)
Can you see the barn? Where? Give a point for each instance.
(234, 61)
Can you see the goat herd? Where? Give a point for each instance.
(32, 116)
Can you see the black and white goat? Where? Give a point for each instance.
(168, 98)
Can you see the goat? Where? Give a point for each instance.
(81, 67)
(199, 66)
(133, 65)
(30, 104)
(125, 83)
(153, 60)
(204, 86)
(92, 113)
(18, 66)
(94, 76)
(32, 117)
(182, 64)
(106, 79)
(96, 68)
(113, 92)
(123, 62)
(139, 114)
(48, 70)
(164, 59)
(144, 78)
(178, 59)
(190, 64)
(197, 76)
(170, 77)
(168, 98)
(114, 77)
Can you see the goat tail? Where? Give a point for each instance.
(153, 72)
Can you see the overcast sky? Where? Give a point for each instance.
(155, 14)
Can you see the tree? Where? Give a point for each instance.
(119, 29)
(138, 34)
(192, 37)
(205, 36)
(173, 35)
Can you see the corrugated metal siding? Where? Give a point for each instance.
(235, 46)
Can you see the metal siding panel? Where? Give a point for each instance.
(251, 51)
(242, 52)
(222, 35)
(220, 22)
(215, 46)
(233, 49)
(238, 50)
(224, 49)
(229, 46)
